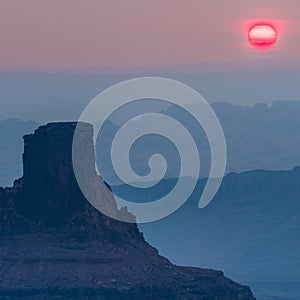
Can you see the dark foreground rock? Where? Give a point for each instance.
(55, 245)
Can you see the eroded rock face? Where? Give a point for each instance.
(51, 196)
(54, 243)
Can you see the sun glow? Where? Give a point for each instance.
(262, 36)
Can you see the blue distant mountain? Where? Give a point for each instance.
(11, 148)
(250, 230)
(258, 137)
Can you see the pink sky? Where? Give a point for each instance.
(130, 33)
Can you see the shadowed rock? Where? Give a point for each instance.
(56, 245)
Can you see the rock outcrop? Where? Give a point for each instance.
(56, 245)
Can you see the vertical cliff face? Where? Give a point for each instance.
(51, 196)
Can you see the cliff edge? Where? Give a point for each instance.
(56, 245)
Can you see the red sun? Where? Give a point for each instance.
(262, 36)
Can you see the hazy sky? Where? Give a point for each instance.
(110, 33)
(200, 42)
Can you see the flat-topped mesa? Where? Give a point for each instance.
(47, 216)
(51, 195)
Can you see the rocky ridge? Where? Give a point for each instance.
(55, 245)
